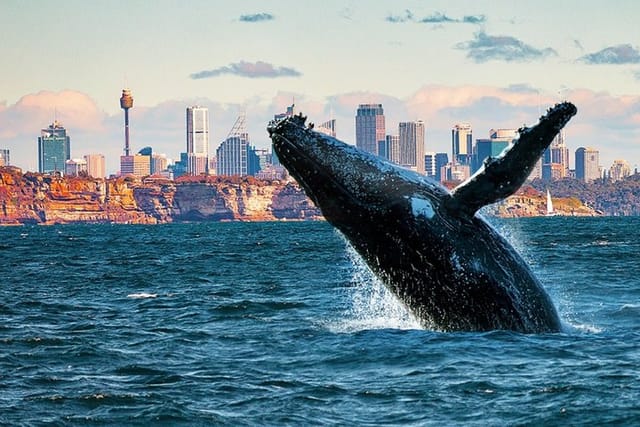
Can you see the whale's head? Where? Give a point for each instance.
(350, 186)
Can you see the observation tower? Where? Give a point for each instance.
(126, 102)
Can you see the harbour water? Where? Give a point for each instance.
(281, 324)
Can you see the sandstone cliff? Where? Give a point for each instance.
(32, 198)
(43, 199)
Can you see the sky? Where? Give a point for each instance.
(493, 64)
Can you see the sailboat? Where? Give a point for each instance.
(550, 211)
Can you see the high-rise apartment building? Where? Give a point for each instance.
(197, 140)
(587, 164)
(555, 163)
(231, 155)
(441, 161)
(430, 165)
(461, 143)
(95, 165)
(54, 148)
(411, 136)
(370, 127)
(392, 148)
(619, 170)
(4, 157)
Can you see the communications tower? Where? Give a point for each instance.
(126, 102)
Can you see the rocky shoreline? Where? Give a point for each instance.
(31, 198)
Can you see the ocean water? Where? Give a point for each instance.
(281, 324)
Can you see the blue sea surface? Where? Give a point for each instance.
(281, 324)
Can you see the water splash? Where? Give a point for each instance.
(371, 304)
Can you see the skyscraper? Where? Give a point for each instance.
(392, 148)
(370, 127)
(555, 164)
(461, 143)
(54, 148)
(231, 155)
(587, 164)
(197, 140)
(4, 157)
(619, 170)
(412, 145)
(95, 165)
(498, 140)
(430, 166)
(441, 161)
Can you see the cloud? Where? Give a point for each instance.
(474, 19)
(35, 111)
(435, 18)
(251, 70)
(636, 74)
(485, 48)
(620, 54)
(257, 17)
(396, 19)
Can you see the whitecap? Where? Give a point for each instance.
(142, 295)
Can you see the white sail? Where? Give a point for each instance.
(549, 204)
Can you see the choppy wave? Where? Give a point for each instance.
(208, 327)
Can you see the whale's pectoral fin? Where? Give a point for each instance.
(500, 177)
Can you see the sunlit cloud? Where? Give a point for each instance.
(251, 70)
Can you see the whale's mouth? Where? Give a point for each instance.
(315, 173)
(301, 166)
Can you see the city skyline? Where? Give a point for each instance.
(403, 148)
(485, 63)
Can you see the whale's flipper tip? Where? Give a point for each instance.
(502, 176)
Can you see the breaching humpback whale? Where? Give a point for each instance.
(451, 269)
